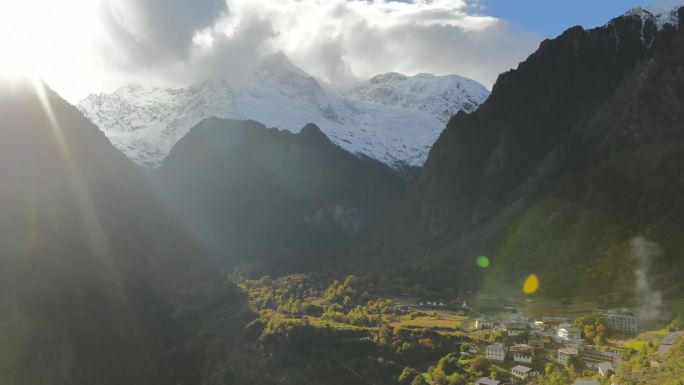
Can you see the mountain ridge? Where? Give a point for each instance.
(382, 121)
(263, 196)
(494, 177)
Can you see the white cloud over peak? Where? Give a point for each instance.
(342, 41)
(175, 42)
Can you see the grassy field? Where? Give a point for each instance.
(442, 320)
(638, 343)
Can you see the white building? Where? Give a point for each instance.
(620, 320)
(496, 352)
(522, 353)
(515, 329)
(536, 343)
(520, 318)
(484, 323)
(564, 355)
(432, 303)
(593, 358)
(568, 332)
(552, 323)
(521, 372)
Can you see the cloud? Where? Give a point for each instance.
(232, 56)
(340, 41)
(152, 32)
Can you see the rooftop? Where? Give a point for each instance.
(520, 347)
(567, 326)
(488, 381)
(516, 325)
(615, 312)
(521, 369)
(497, 345)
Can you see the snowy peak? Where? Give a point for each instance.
(279, 74)
(387, 78)
(661, 12)
(665, 6)
(393, 118)
(440, 96)
(145, 122)
(279, 64)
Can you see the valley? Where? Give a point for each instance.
(346, 330)
(280, 228)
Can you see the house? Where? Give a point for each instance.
(575, 344)
(552, 323)
(592, 358)
(605, 369)
(666, 343)
(432, 303)
(620, 320)
(484, 323)
(487, 381)
(496, 352)
(522, 353)
(536, 343)
(519, 318)
(564, 355)
(459, 302)
(515, 329)
(567, 332)
(522, 372)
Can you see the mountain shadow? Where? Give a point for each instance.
(272, 198)
(98, 283)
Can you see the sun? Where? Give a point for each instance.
(13, 73)
(48, 39)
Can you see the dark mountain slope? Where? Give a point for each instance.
(575, 152)
(261, 195)
(98, 285)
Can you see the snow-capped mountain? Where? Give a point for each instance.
(662, 12)
(393, 118)
(439, 96)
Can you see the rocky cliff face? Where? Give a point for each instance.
(257, 195)
(583, 138)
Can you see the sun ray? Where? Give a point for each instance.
(95, 233)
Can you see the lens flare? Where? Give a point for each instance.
(531, 284)
(483, 261)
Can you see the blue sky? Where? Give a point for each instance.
(549, 18)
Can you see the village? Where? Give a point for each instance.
(526, 347)
(418, 338)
